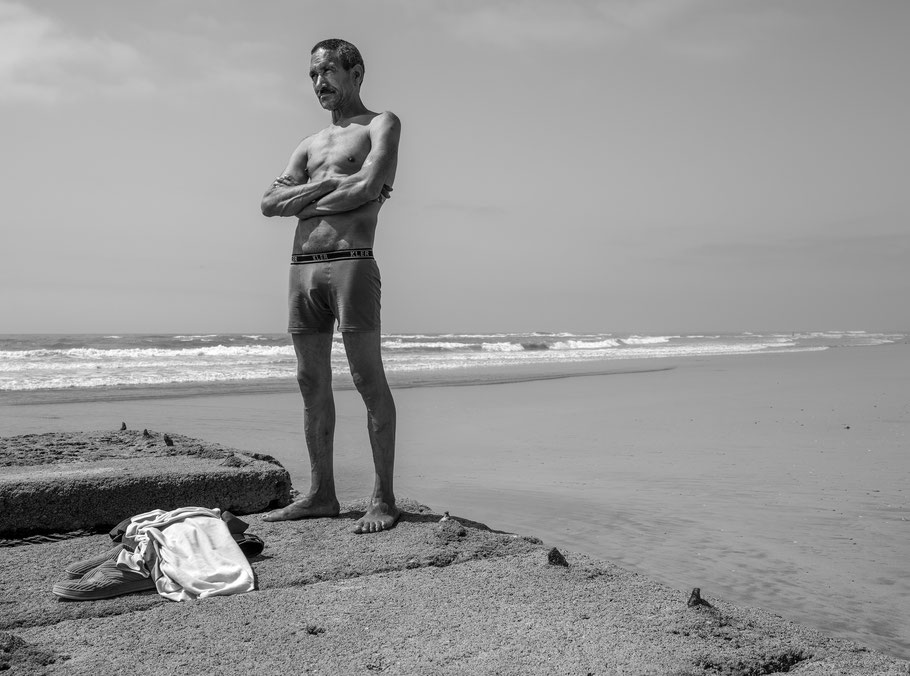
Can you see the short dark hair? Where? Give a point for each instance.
(347, 53)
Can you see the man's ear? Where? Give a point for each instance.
(357, 73)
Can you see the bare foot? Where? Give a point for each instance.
(305, 508)
(380, 516)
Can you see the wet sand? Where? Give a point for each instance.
(769, 480)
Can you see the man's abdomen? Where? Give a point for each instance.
(352, 230)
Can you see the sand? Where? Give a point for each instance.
(429, 597)
(767, 480)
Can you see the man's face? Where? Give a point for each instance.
(334, 85)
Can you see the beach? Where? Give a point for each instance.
(771, 480)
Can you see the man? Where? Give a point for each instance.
(335, 184)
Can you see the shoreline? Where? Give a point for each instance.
(462, 377)
(83, 368)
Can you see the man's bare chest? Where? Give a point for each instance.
(338, 150)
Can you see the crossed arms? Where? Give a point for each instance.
(294, 194)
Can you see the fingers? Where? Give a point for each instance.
(286, 180)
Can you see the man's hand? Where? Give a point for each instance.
(293, 190)
(286, 180)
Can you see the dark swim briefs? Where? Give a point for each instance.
(342, 285)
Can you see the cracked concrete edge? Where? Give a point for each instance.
(56, 448)
(93, 480)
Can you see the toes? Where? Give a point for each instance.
(375, 523)
(369, 527)
(277, 515)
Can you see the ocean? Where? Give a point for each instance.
(74, 365)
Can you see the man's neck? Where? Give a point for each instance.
(349, 110)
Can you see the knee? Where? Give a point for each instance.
(361, 382)
(314, 385)
(375, 391)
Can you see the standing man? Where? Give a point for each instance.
(335, 184)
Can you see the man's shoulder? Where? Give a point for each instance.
(385, 128)
(387, 115)
(308, 140)
(386, 119)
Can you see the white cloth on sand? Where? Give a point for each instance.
(189, 552)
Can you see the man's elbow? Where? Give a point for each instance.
(269, 207)
(370, 191)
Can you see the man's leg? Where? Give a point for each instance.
(314, 376)
(363, 350)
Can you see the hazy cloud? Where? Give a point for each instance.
(696, 29)
(41, 61)
(878, 249)
(514, 23)
(190, 63)
(44, 60)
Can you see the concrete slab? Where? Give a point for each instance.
(60, 482)
(424, 598)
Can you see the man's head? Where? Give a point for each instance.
(336, 71)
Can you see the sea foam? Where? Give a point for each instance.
(75, 361)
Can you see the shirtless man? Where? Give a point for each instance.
(335, 184)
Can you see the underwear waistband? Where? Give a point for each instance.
(341, 254)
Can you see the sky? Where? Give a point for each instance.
(639, 166)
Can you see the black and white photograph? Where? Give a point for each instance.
(455, 337)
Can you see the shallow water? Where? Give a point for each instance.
(806, 518)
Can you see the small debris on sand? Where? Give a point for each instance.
(449, 529)
(695, 599)
(146, 434)
(168, 441)
(555, 558)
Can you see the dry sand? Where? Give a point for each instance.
(429, 597)
(768, 480)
